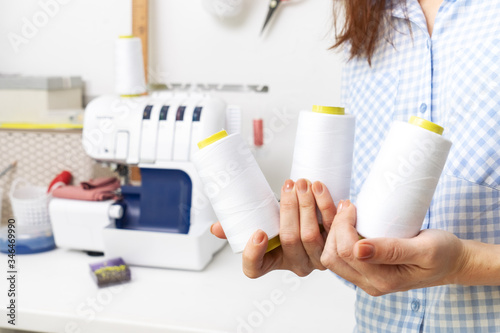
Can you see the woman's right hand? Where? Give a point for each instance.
(302, 240)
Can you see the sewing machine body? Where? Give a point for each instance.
(165, 222)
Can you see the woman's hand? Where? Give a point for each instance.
(301, 239)
(384, 265)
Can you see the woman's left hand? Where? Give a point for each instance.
(384, 265)
(300, 234)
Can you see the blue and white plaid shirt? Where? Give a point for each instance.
(452, 79)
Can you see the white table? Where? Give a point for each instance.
(57, 294)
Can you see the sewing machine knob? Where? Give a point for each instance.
(115, 211)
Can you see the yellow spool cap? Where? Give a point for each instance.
(328, 110)
(131, 96)
(211, 139)
(127, 36)
(428, 125)
(273, 243)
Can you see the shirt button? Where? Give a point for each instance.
(423, 107)
(415, 305)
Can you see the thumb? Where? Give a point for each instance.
(253, 255)
(389, 251)
(216, 230)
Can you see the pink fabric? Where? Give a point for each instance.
(98, 182)
(94, 190)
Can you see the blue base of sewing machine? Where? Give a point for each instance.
(162, 203)
(160, 228)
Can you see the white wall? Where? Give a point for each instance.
(77, 38)
(187, 45)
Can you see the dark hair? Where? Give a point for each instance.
(366, 24)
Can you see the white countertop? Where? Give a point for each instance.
(56, 293)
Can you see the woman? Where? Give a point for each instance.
(439, 60)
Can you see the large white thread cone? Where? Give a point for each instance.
(397, 193)
(323, 150)
(240, 194)
(129, 67)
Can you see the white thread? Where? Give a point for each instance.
(323, 151)
(240, 194)
(129, 67)
(397, 193)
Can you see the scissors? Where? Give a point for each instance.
(273, 6)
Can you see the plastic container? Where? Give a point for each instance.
(33, 232)
(29, 205)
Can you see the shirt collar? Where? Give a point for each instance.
(410, 10)
(413, 6)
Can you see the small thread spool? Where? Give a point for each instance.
(240, 194)
(323, 149)
(258, 132)
(398, 191)
(129, 67)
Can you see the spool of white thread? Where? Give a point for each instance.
(397, 193)
(129, 67)
(323, 149)
(240, 194)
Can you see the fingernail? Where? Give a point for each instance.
(365, 251)
(302, 186)
(288, 187)
(258, 238)
(317, 188)
(347, 203)
(340, 206)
